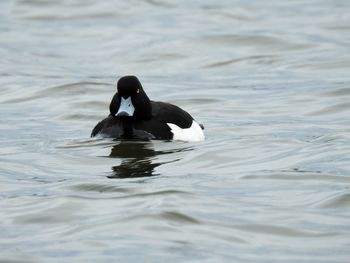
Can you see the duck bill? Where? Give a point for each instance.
(126, 108)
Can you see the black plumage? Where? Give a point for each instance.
(146, 120)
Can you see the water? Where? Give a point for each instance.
(268, 79)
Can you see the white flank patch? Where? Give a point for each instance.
(192, 134)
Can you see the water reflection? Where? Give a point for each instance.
(138, 159)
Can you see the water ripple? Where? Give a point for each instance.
(268, 79)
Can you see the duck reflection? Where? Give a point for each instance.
(138, 159)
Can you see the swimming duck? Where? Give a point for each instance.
(134, 116)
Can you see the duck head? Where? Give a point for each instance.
(130, 100)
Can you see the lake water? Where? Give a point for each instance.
(270, 81)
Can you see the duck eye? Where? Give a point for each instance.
(138, 91)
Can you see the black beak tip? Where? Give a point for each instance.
(122, 114)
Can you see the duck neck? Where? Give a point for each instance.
(145, 112)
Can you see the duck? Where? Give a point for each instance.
(133, 116)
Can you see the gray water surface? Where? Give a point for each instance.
(270, 81)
